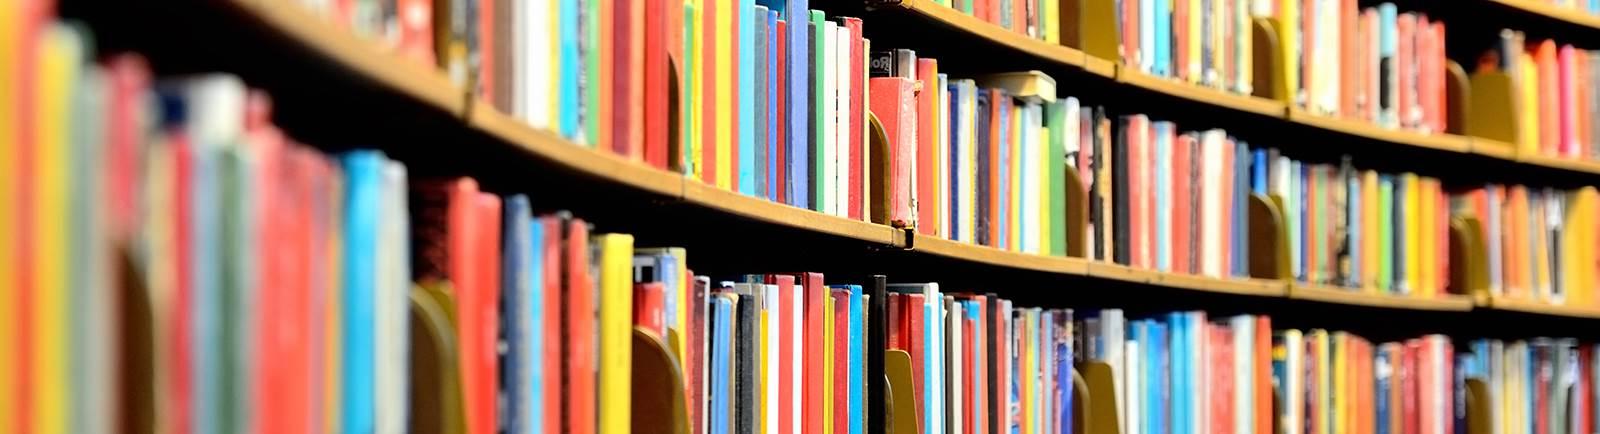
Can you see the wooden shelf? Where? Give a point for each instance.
(1003, 258)
(1534, 307)
(1192, 92)
(557, 150)
(1060, 54)
(708, 196)
(1442, 142)
(1364, 297)
(1584, 166)
(1257, 287)
(1569, 15)
(1494, 149)
(420, 81)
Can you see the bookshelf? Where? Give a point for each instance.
(1553, 12)
(432, 89)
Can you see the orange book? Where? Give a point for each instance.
(1181, 211)
(1439, 93)
(1263, 374)
(1405, 58)
(1350, 61)
(1544, 58)
(928, 171)
(1019, 17)
(706, 53)
(605, 48)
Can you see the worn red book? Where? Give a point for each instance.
(896, 321)
(627, 97)
(858, 119)
(658, 31)
(916, 327)
(894, 102)
(649, 307)
(817, 301)
(465, 254)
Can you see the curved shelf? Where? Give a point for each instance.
(949, 16)
(1338, 295)
(1533, 307)
(433, 89)
(1568, 15)
(1442, 142)
(1202, 94)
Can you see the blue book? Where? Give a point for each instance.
(1400, 285)
(1292, 211)
(570, 123)
(798, 109)
(1258, 171)
(208, 346)
(516, 288)
(758, 107)
(957, 116)
(1386, 232)
(1064, 369)
(1181, 372)
(747, 97)
(1388, 66)
(1459, 402)
(1381, 375)
(774, 75)
(363, 193)
(532, 327)
(857, 369)
(1241, 209)
(1162, 57)
(1163, 179)
(721, 375)
(1160, 353)
(1353, 222)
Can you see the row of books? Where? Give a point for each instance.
(1183, 372)
(1337, 382)
(1544, 385)
(1590, 7)
(1206, 43)
(1539, 243)
(1039, 19)
(1554, 92)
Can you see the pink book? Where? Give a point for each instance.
(1567, 107)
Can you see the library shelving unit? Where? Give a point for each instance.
(431, 90)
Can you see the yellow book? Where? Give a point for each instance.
(1413, 240)
(616, 332)
(694, 76)
(1369, 224)
(1047, 239)
(1026, 358)
(1324, 403)
(1288, 27)
(61, 57)
(10, 41)
(827, 366)
(1052, 21)
(1193, 47)
(1426, 234)
(1528, 89)
(761, 365)
(727, 74)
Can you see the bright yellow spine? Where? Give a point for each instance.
(616, 332)
(727, 74)
(1042, 179)
(762, 356)
(1052, 21)
(827, 366)
(1427, 234)
(61, 53)
(1528, 89)
(1341, 382)
(1413, 239)
(681, 293)
(10, 36)
(694, 77)
(1192, 45)
(556, 82)
(1288, 43)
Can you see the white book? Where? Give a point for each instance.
(394, 302)
(953, 352)
(1294, 414)
(1112, 333)
(1030, 180)
(1144, 54)
(769, 305)
(964, 161)
(828, 42)
(795, 320)
(1243, 328)
(1131, 377)
(841, 63)
(1211, 243)
(1496, 382)
(537, 90)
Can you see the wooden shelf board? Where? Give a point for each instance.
(710, 196)
(1258, 287)
(1193, 92)
(1443, 142)
(562, 152)
(1107, 270)
(994, 33)
(1494, 149)
(365, 57)
(1569, 15)
(1003, 258)
(1101, 67)
(1584, 166)
(1363, 297)
(1502, 303)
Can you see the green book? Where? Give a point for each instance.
(1385, 232)
(1055, 119)
(820, 98)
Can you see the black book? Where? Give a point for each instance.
(981, 179)
(1120, 193)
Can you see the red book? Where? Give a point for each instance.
(1138, 131)
(969, 407)
(786, 346)
(1130, 33)
(579, 364)
(486, 44)
(1004, 363)
(1180, 37)
(841, 360)
(1406, 57)
(858, 119)
(1181, 211)
(649, 307)
(416, 30)
(782, 75)
(980, 366)
(484, 316)
(460, 255)
(699, 287)
(1263, 374)
(276, 167)
(928, 172)
(896, 321)
(1445, 353)
(1227, 206)
(708, 119)
(1350, 61)
(817, 303)
(1409, 419)
(554, 339)
(628, 100)
(1220, 350)
(1585, 388)
(606, 49)
(180, 370)
(658, 31)
(893, 101)
(916, 327)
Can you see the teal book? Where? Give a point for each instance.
(747, 97)
(1163, 191)
(570, 115)
(363, 203)
(1386, 233)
